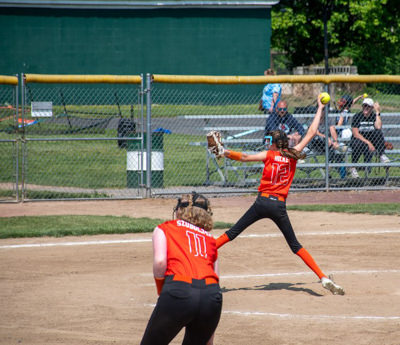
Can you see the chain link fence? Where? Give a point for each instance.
(8, 139)
(76, 132)
(189, 107)
(123, 137)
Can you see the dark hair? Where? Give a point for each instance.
(269, 71)
(280, 139)
(347, 101)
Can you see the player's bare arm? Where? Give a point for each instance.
(378, 121)
(312, 130)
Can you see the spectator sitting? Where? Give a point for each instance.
(317, 145)
(344, 105)
(270, 96)
(318, 142)
(282, 120)
(367, 134)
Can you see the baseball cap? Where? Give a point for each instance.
(368, 101)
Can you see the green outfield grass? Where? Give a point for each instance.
(59, 226)
(37, 194)
(101, 164)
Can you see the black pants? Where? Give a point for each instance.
(318, 145)
(267, 208)
(360, 148)
(196, 306)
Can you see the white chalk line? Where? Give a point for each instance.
(283, 274)
(328, 233)
(289, 274)
(322, 317)
(87, 243)
(314, 317)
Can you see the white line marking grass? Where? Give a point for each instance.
(289, 274)
(314, 317)
(278, 234)
(58, 244)
(283, 274)
(328, 233)
(306, 317)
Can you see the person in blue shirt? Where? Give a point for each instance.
(282, 120)
(271, 95)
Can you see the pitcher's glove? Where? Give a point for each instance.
(214, 144)
(388, 145)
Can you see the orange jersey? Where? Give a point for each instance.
(191, 251)
(278, 174)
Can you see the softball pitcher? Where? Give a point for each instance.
(279, 169)
(185, 269)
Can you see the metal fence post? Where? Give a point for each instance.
(326, 115)
(148, 136)
(22, 137)
(142, 92)
(16, 140)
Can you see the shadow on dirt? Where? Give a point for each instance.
(275, 287)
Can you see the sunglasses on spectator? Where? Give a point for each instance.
(282, 109)
(366, 106)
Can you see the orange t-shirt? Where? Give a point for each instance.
(191, 251)
(278, 174)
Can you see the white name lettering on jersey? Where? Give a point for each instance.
(193, 227)
(281, 159)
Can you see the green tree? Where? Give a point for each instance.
(366, 31)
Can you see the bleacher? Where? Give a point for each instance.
(249, 139)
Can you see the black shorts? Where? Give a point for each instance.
(195, 306)
(272, 208)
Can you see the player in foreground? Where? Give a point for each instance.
(280, 166)
(185, 269)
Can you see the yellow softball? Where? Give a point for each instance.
(325, 98)
(365, 95)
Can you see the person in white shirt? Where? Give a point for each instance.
(367, 133)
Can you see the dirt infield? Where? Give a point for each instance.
(99, 289)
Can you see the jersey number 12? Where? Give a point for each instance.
(280, 174)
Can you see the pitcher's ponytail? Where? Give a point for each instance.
(280, 139)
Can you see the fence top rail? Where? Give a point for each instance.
(82, 79)
(10, 80)
(325, 79)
